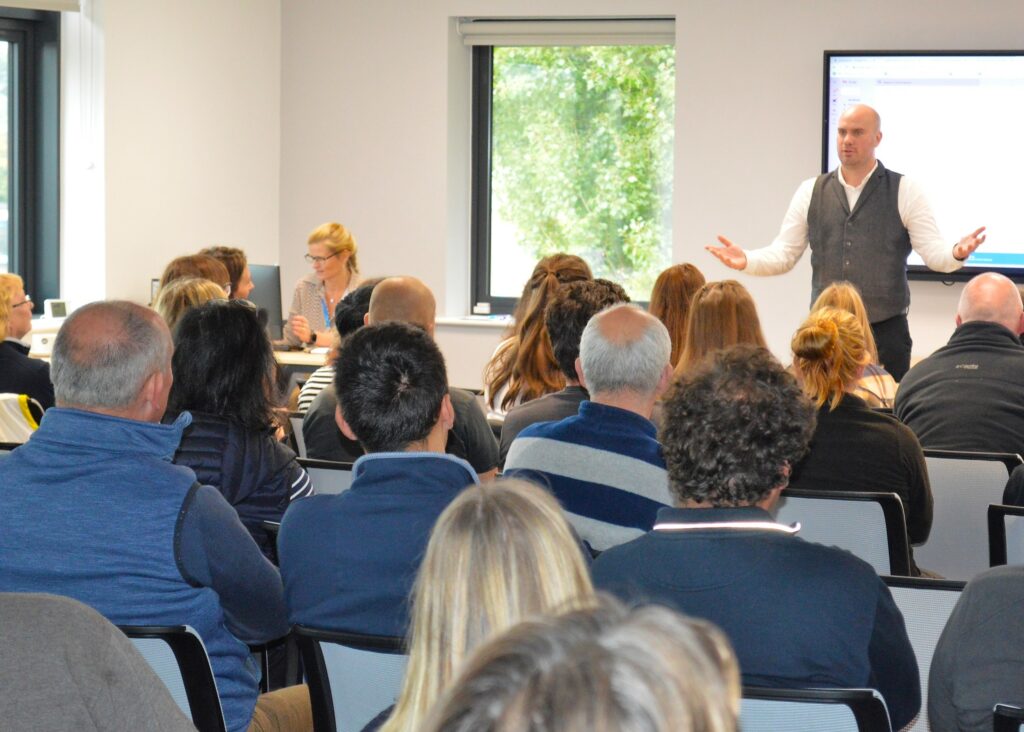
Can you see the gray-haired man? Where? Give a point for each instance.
(605, 464)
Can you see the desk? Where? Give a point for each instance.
(300, 361)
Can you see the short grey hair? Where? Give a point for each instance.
(624, 364)
(104, 353)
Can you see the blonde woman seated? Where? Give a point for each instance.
(179, 296)
(722, 314)
(854, 448)
(501, 552)
(606, 668)
(876, 387)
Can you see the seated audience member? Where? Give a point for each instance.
(798, 614)
(604, 464)
(237, 265)
(979, 660)
(670, 302)
(854, 448)
(567, 314)
(202, 266)
(20, 374)
(66, 669)
(94, 509)
(349, 560)
(605, 668)
(224, 372)
(876, 386)
(349, 316)
(405, 300)
(501, 552)
(333, 255)
(722, 314)
(523, 366)
(181, 295)
(969, 394)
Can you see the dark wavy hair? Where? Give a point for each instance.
(223, 364)
(568, 312)
(390, 380)
(732, 427)
(351, 312)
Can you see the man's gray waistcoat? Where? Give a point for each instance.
(867, 246)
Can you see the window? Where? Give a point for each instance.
(573, 133)
(29, 147)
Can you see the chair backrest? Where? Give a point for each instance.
(926, 605)
(871, 526)
(963, 485)
(328, 476)
(7, 447)
(813, 710)
(295, 418)
(177, 655)
(352, 677)
(19, 417)
(1007, 718)
(1005, 535)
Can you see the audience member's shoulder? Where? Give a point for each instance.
(325, 401)
(815, 563)
(1006, 581)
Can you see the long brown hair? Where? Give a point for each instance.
(722, 314)
(524, 362)
(670, 302)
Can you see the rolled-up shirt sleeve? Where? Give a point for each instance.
(917, 215)
(785, 251)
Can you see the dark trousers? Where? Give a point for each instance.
(892, 337)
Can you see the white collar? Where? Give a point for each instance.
(863, 183)
(738, 525)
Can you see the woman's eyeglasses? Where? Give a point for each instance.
(26, 301)
(320, 260)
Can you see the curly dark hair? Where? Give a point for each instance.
(732, 426)
(568, 312)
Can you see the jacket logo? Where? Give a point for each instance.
(968, 366)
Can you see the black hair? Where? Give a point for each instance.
(568, 312)
(732, 426)
(350, 313)
(223, 364)
(390, 380)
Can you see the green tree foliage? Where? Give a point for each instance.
(582, 155)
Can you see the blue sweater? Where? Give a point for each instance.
(92, 508)
(798, 614)
(603, 464)
(348, 561)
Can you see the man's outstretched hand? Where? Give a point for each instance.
(963, 248)
(734, 257)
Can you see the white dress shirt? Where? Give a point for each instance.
(915, 213)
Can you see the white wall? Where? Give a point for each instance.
(373, 130)
(186, 154)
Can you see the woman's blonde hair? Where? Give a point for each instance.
(501, 552)
(8, 284)
(670, 302)
(722, 314)
(179, 296)
(846, 296)
(525, 362)
(829, 351)
(337, 239)
(598, 669)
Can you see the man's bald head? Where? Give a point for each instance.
(991, 298)
(402, 300)
(862, 112)
(105, 352)
(624, 349)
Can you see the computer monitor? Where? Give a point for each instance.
(266, 295)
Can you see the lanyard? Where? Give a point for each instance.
(327, 315)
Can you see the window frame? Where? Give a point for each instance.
(34, 150)
(481, 103)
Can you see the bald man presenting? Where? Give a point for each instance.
(860, 221)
